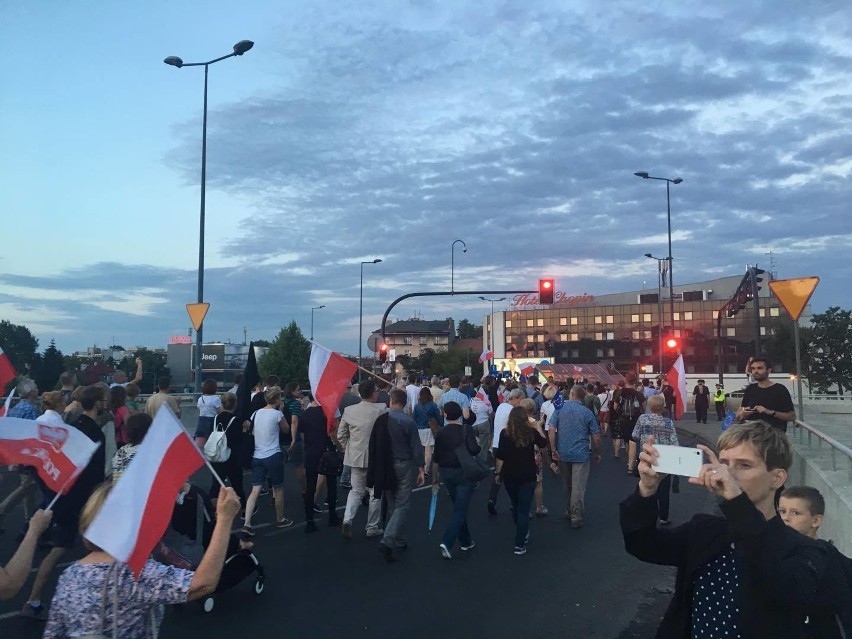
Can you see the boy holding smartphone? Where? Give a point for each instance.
(745, 573)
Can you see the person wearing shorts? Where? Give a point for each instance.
(267, 462)
(209, 406)
(428, 419)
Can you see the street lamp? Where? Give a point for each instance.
(361, 315)
(491, 320)
(453, 263)
(239, 49)
(660, 276)
(314, 308)
(644, 175)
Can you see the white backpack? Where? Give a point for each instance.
(216, 447)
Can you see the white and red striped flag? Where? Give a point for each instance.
(330, 375)
(58, 453)
(677, 380)
(486, 355)
(7, 374)
(137, 511)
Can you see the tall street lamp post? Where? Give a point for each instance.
(314, 308)
(239, 49)
(491, 321)
(361, 315)
(660, 276)
(644, 175)
(453, 263)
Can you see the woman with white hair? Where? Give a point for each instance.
(664, 432)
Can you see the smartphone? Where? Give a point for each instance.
(679, 460)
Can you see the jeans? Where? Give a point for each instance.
(398, 502)
(720, 410)
(346, 475)
(522, 497)
(575, 476)
(311, 477)
(353, 501)
(461, 491)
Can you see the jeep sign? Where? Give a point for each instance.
(213, 357)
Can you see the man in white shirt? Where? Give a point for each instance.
(501, 419)
(412, 392)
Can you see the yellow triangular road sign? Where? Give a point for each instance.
(197, 312)
(794, 294)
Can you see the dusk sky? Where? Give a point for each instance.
(358, 130)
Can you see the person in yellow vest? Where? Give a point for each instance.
(719, 400)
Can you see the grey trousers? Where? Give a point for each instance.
(353, 501)
(398, 502)
(575, 477)
(483, 438)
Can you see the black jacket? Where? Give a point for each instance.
(380, 472)
(783, 569)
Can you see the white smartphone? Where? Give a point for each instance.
(679, 460)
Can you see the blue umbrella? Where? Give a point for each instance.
(433, 507)
(729, 419)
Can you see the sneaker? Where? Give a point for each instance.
(248, 531)
(469, 546)
(665, 522)
(492, 509)
(527, 538)
(386, 552)
(520, 550)
(283, 523)
(318, 509)
(346, 530)
(542, 512)
(34, 612)
(264, 492)
(445, 552)
(378, 532)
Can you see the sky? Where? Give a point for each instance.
(389, 129)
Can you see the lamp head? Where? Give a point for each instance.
(677, 181)
(649, 255)
(377, 260)
(242, 46)
(174, 61)
(642, 174)
(323, 306)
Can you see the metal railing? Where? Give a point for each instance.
(834, 446)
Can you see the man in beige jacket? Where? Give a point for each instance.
(356, 426)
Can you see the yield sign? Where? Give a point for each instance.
(794, 294)
(197, 312)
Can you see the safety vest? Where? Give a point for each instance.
(720, 395)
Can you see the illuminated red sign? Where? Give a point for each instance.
(180, 339)
(559, 299)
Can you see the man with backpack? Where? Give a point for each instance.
(627, 404)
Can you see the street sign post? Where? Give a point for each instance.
(794, 296)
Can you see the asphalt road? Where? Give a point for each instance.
(577, 583)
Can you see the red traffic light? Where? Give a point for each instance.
(383, 352)
(546, 288)
(672, 343)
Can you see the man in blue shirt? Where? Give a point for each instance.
(572, 431)
(26, 408)
(455, 395)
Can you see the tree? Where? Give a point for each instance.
(287, 356)
(48, 367)
(153, 368)
(466, 330)
(19, 345)
(829, 346)
(780, 345)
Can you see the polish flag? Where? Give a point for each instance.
(482, 396)
(137, 511)
(58, 453)
(486, 355)
(527, 369)
(7, 374)
(330, 375)
(677, 379)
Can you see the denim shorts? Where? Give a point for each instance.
(204, 427)
(272, 467)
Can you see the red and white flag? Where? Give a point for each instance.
(677, 379)
(486, 355)
(137, 511)
(330, 375)
(58, 453)
(7, 374)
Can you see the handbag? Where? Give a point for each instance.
(331, 463)
(473, 469)
(216, 448)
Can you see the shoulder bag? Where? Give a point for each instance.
(473, 469)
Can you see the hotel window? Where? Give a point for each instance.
(563, 337)
(774, 312)
(424, 341)
(610, 336)
(530, 339)
(599, 336)
(677, 316)
(508, 323)
(598, 319)
(687, 315)
(635, 318)
(646, 334)
(439, 339)
(763, 330)
(634, 335)
(690, 350)
(563, 321)
(539, 322)
(530, 353)
(540, 339)
(574, 321)
(648, 352)
(575, 337)
(715, 314)
(529, 323)
(599, 352)
(677, 333)
(575, 353)
(635, 352)
(761, 312)
(610, 319)
(646, 317)
(408, 340)
(508, 339)
(731, 332)
(610, 352)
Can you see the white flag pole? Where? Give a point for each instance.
(8, 402)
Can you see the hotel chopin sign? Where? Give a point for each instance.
(560, 298)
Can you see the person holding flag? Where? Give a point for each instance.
(15, 573)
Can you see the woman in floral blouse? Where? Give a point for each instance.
(664, 432)
(98, 594)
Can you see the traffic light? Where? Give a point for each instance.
(545, 290)
(673, 343)
(383, 352)
(755, 272)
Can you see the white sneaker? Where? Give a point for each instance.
(445, 552)
(470, 546)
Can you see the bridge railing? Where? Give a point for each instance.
(840, 454)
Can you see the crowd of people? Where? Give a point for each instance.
(389, 438)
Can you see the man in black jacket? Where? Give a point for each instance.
(745, 573)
